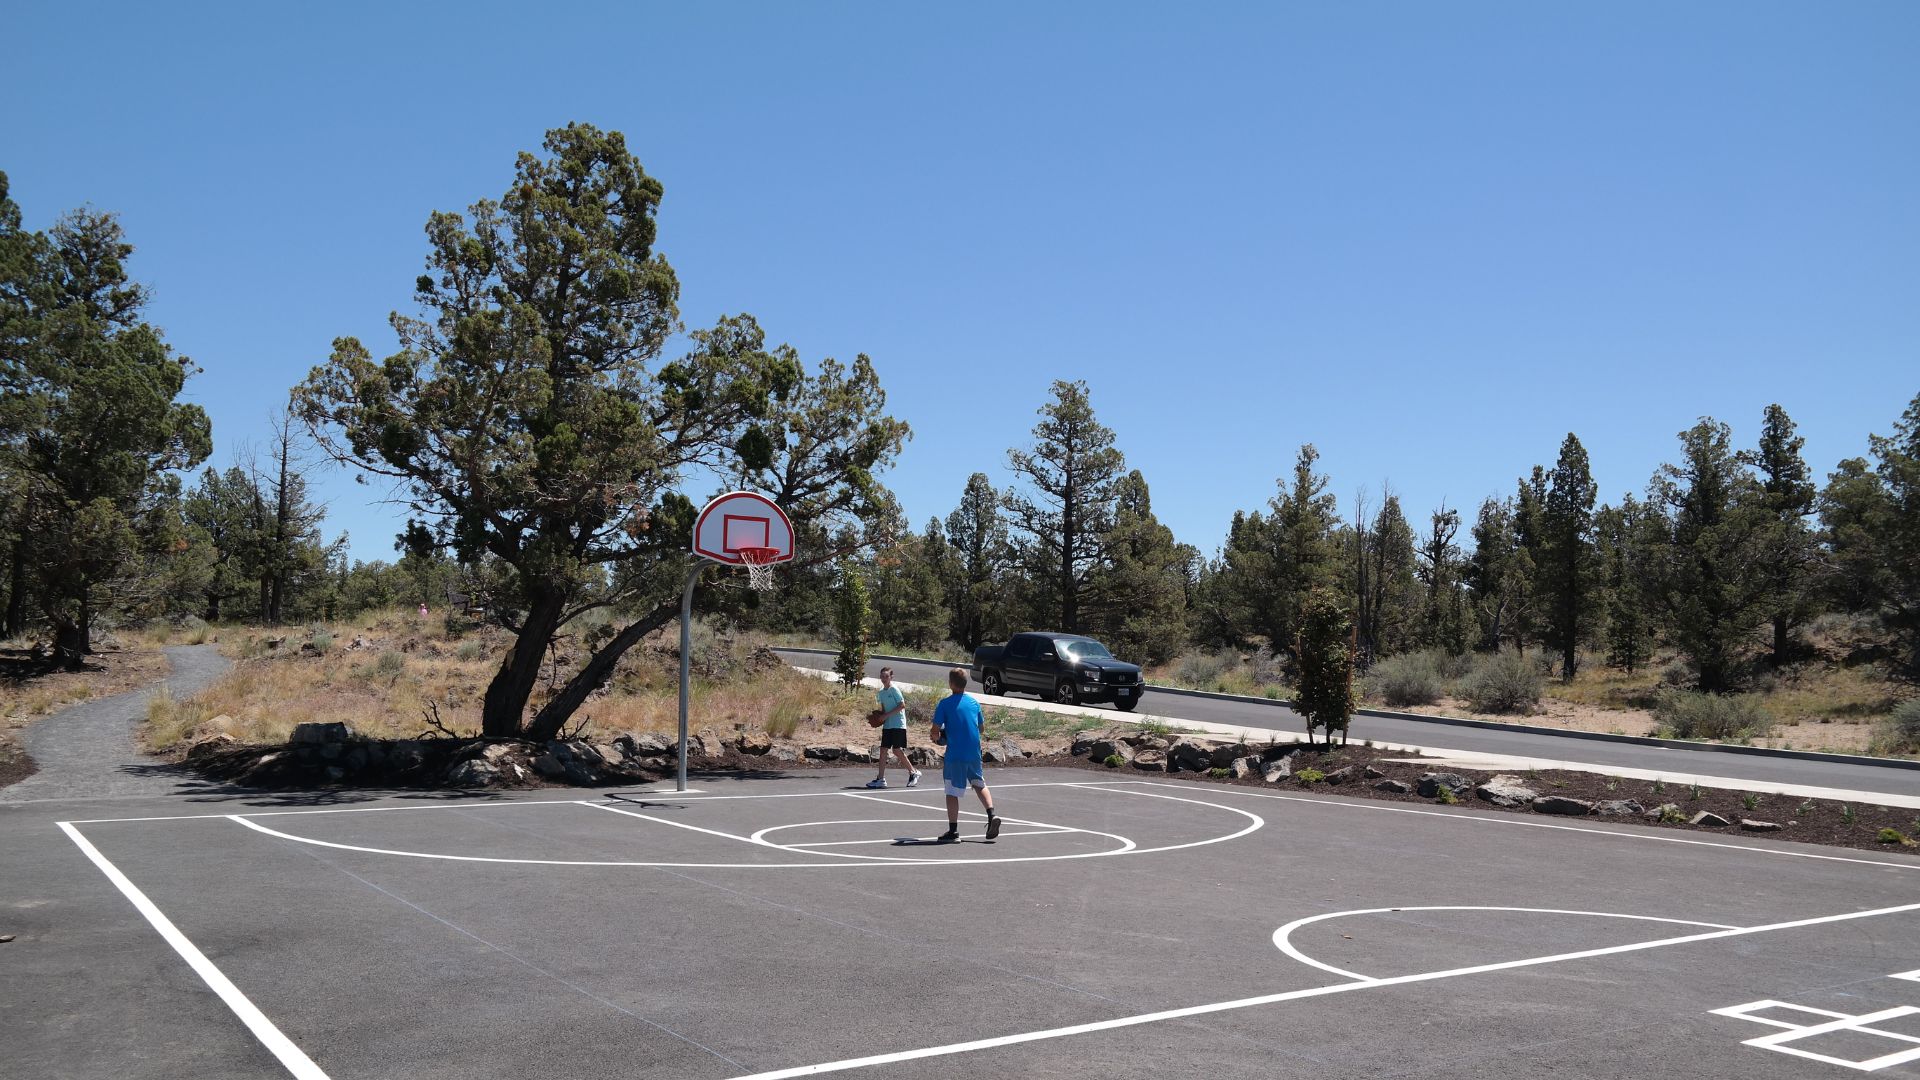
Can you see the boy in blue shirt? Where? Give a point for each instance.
(957, 718)
(893, 733)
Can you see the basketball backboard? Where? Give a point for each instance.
(742, 520)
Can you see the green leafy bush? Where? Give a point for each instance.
(1114, 761)
(1503, 683)
(1310, 775)
(1686, 714)
(390, 663)
(470, 650)
(1408, 679)
(1893, 836)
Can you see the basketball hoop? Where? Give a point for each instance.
(759, 564)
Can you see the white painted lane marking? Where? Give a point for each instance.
(1781, 1042)
(670, 821)
(1747, 1011)
(295, 1060)
(951, 1049)
(1282, 936)
(760, 838)
(1522, 822)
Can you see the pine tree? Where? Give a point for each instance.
(1791, 563)
(1388, 589)
(1070, 471)
(1707, 574)
(1624, 542)
(1302, 554)
(1872, 519)
(907, 608)
(1499, 576)
(976, 594)
(1140, 594)
(1443, 615)
(1566, 552)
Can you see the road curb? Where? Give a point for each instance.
(1486, 725)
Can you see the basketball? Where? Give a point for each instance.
(876, 718)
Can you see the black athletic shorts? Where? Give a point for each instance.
(891, 737)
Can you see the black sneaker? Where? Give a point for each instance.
(993, 826)
(951, 836)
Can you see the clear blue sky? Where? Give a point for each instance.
(1430, 238)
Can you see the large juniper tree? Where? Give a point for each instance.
(527, 415)
(1566, 552)
(88, 416)
(1792, 552)
(1706, 574)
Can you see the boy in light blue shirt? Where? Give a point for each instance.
(893, 733)
(957, 719)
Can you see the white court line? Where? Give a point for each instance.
(277, 1044)
(1297, 995)
(1126, 845)
(676, 824)
(1510, 820)
(1779, 1041)
(1282, 937)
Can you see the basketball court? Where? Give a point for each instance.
(805, 926)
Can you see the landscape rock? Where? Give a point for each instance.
(1372, 773)
(210, 745)
(1664, 809)
(924, 757)
(1150, 761)
(476, 772)
(1226, 754)
(858, 755)
(315, 734)
(1003, 752)
(546, 765)
(756, 743)
(1085, 741)
(1507, 791)
(1751, 825)
(1189, 754)
(1620, 806)
(1560, 804)
(1152, 742)
(1340, 775)
(1431, 783)
(824, 752)
(1398, 787)
(1109, 746)
(782, 752)
(1243, 768)
(647, 744)
(1277, 770)
(1708, 817)
(1276, 752)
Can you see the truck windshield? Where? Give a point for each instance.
(1085, 650)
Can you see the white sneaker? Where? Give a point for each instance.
(883, 783)
(913, 778)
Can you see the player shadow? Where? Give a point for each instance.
(915, 841)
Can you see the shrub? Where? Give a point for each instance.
(194, 630)
(1446, 796)
(1114, 761)
(1685, 714)
(1894, 836)
(1503, 683)
(1677, 673)
(1219, 774)
(390, 663)
(470, 650)
(1408, 679)
(1899, 733)
(1310, 775)
(322, 640)
(1201, 671)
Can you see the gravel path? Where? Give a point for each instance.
(89, 751)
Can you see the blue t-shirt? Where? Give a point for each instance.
(891, 700)
(959, 714)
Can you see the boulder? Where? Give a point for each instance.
(1150, 761)
(1708, 817)
(493, 752)
(1110, 746)
(782, 752)
(405, 755)
(704, 745)
(1663, 810)
(1003, 752)
(824, 752)
(1084, 742)
(1506, 791)
(1431, 783)
(1340, 775)
(210, 746)
(1398, 787)
(924, 757)
(546, 765)
(1372, 773)
(1226, 754)
(1152, 742)
(1560, 804)
(1629, 807)
(1191, 755)
(1243, 768)
(858, 755)
(647, 744)
(1277, 770)
(475, 772)
(1751, 825)
(756, 743)
(317, 734)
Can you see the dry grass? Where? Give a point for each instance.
(385, 686)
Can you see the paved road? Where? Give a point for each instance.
(1257, 716)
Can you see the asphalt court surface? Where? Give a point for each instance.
(804, 926)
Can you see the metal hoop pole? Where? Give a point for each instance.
(686, 661)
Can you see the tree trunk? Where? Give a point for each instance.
(213, 607)
(1069, 603)
(17, 592)
(73, 639)
(1780, 641)
(264, 606)
(505, 703)
(599, 668)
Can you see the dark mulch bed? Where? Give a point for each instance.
(1807, 821)
(15, 764)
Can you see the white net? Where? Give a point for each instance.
(759, 564)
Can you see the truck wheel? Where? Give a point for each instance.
(990, 683)
(1127, 705)
(1065, 693)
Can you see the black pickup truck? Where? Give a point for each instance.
(1066, 668)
